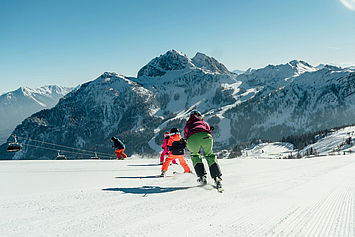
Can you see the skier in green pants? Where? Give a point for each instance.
(198, 135)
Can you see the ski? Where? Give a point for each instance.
(175, 172)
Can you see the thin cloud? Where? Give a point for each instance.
(349, 4)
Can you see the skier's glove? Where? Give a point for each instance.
(212, 128)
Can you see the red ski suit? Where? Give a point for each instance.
(165, 150)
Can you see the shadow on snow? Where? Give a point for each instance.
(139, 177)
(146, 165)
(147, 189)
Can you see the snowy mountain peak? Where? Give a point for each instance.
(23, 91)
(107, 75)
(275, 76)
(249, 70)
(300, 67)
(21, 103)
(171, 60)
(108, 81)
(208, 63)
(297, 63)
(48, 91)
(332, 67)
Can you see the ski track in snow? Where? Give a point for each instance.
(306, 197)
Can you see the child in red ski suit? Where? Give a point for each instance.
(176, 146)
(165, 148)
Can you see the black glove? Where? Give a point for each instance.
(212, 128)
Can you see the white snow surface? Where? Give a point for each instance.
(334, 141)
(263, 197)
(269, 150)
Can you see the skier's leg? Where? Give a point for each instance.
(194, 144)
(207, 146)
(167, 162)
(117, 152)
(184, 164)
(123, 154)
(174, 162)
(162, 156)
(167, 153)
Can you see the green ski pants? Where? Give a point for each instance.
(204, 140)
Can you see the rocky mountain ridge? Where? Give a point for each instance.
(265, 103)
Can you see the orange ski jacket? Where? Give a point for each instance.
(176, 144)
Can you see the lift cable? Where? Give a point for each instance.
(68, 147)
(73, 152)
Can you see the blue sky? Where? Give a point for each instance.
(70, 42)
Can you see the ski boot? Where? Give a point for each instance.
(201, 173)
(218, 183)
(163, 173)
(202, 180)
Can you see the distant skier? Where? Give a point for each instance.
(165, 148)
(176, 146)
(120, 147)
(198, 134)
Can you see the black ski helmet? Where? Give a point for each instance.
(196, 112)
(174, 130)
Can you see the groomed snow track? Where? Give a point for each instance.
(306, 197)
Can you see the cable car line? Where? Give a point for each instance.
(73, 152)
(78, 149)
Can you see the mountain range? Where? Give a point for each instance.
(268, 103)
(17, 105)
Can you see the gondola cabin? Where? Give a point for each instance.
(95, 157)
(14, 146)
(60, 156)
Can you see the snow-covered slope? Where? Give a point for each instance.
(313, 101)
(237, 71)
(337, 141)
(17, 105)
(88, 117)
(305, 197)
(200, 83)
(275, 76)
(139, 110)
(274, 150)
